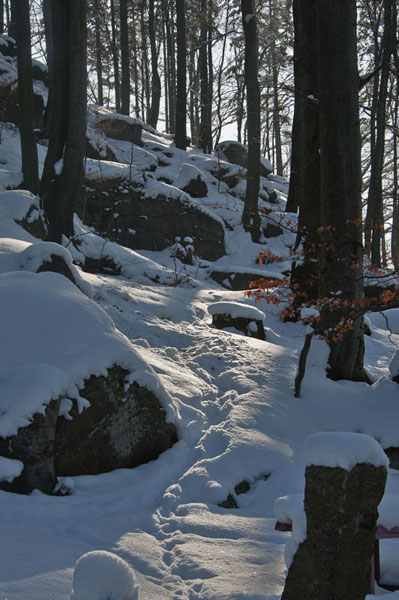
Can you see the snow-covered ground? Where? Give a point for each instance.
(237, 420)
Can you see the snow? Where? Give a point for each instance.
(236, 310)
(290, 509)
(186, 174)
(10, 469)
(53, 338)
(101, 575)
(231, 398)
(343, 449)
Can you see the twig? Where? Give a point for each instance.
(302, 364)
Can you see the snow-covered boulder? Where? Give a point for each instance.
(237, 153)
(22, 208)
(54, 339)
(18, 255)
(191, 180)
(102, 575)
(121, 127)
(149, 215)
(241, 317)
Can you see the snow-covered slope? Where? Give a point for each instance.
(240, 428)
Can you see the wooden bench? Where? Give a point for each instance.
(382, 533)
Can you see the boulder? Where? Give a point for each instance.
(341, 503)
(9, 106)
(33, 222)
(393, 455)
(58, 361)
(242, 317)
(120, 127)
(191, 180)
(237, 153)
(120, 429)
(99, 150)
(34, 447)
(150, 219)
(235, 279)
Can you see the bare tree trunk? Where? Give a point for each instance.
(25, 98)
(2, 22)
(375, 200)
(205, 134)
(181, 102)
(115, 58)
(250, 217)
(60, 187)
(342, 253)
(124, 40)
(156, 82)
(304, 189)
(219, 78)
(395, 183)
(99, 66)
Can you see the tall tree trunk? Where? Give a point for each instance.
(181, 99)
(99, 66)
(125, 70)
(165, 71)
(304, 191)
(342, 253)
(25, 98)
(155, 79)
(250, 217)
(62, 183)
(375, 200)
(2, 22)
(171, 70)
(12, 23)
(395, 183)
(220, 76)
(115, 58)
(205, 134)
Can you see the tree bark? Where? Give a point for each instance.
(181, 97)
(26, 99)
(62, 183)
(155, 79)
(304, 191)
(125, 70)
(205, 133)
(115, 58)
(375, 199)
(341, 260)
(250, 217)
(99, 67)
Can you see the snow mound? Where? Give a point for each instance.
(101, 575)
(17, 254)
(53, 338)
(236, 310)
(10, 469)
(343, 449)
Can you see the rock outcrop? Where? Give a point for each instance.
(150, 219)
(120, 429)
(237, 153)
(119, 127)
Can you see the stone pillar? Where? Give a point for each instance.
(342, 494)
